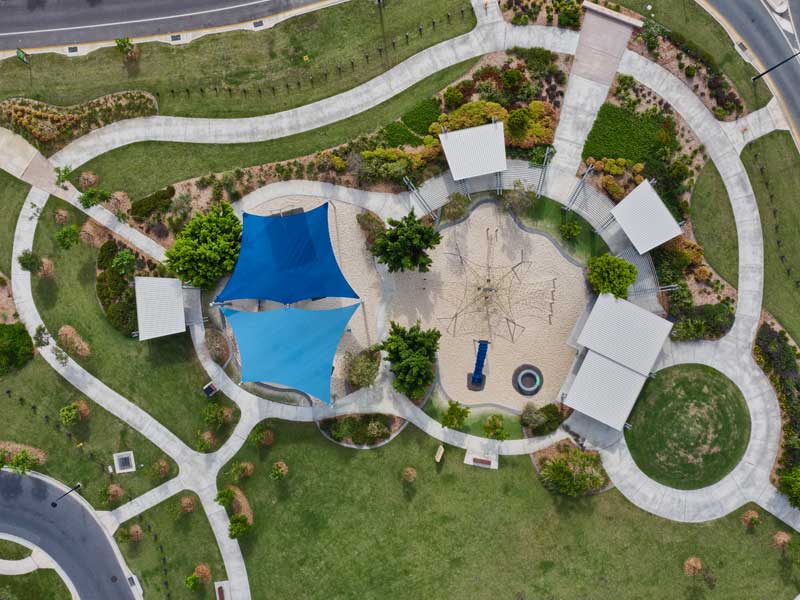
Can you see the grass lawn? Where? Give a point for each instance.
(776, 193)
(690, 427)
(548, 215)
(341, 525)
(297, 53)
(162, 376)
(12, 197)
(621, 133)
(13, 551)
(437, 406)
(695, 24)
(44, 583)
(185, 540)
(101, 435)
(147, 166)
(714, 225)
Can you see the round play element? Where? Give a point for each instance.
(527, 380)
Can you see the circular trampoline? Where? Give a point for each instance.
(527, 380)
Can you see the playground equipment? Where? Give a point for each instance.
(477, 380)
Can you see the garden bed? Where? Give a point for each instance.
(561, 13)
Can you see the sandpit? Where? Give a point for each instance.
(358, 267)
(492, 280)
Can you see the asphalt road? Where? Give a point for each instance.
(68, 533)
(37, 23)
(759, 32)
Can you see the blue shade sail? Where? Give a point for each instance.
(290, 346)
(286, 259)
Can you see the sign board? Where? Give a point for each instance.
(23, 56)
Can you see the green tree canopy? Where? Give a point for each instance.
(455, 416)
(207, 247)
(611, 275)
(402, 246)
(68, 236)
(16, 347)
(124, 263)
(412, 354)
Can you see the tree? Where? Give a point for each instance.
(193, 582)
(225, 498)
(409, 475)
(238, 527)
(93, 196)
(68, 415)
(207, 247)
(532, 417)
(22, 462)
(68, 236)
(494, 427)
(124, 263)
(402, 246)
(412, 354)
(611, 275)
(453, 98)
(573, 472)
(455, 415)
(789, 485)
(362, 368)
(124, 45)
(16, 347)
(30, 261)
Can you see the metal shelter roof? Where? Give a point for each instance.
(644, 218)
(159, 307)
(475, 151)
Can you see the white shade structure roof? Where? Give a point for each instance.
(159, 307)
(623, 342)
(644, 218)
(475, 151)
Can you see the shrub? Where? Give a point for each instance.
(106, 254)
(22, 462)
(186, 505)
(225, 498)
(412, 354)
(157, 202)
(573, 472)
(362, 369)
(470, 114)
(455, 416)
(41, 337)
(422, 116)
(390, 164)
(532, 125)
(518, 122)
(569, 14)
(537, 60)
(68, 415)
(279, 470)
(207, 247)
(124, 263)
(122, 314)
(135, 533)
(531, 416)
(93, 197)
(262, 435)
(239, 527)
(397, 134)
(30, 261)
(453, 98)
(371, 224)
(494, 427)
(611, 275)
(409, 475)
(403, 246)
(16, 347)
(193, 581)
(213, 415)
(456, 207)
(203, 573)
(68, 236)
(569, 230)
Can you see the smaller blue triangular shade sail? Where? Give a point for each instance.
(290, 346)
(286, 259)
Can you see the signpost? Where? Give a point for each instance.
(23, 56)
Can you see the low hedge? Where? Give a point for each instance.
(157, 202)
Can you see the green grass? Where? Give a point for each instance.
(246, 61)
(12, 197)
(620, 133)
(186, 539)
(44, 583)
(341, 525)
(102, 435)
(548, 215)
(689, 428)
(437, 406)
(775, 189)
(695, 24)
(714, 225)
(147, 166)
(13, 551)
(162, 376)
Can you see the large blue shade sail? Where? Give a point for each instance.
(290, 346)
(287, 259)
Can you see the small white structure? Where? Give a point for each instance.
(644, 218)
(159, 307)
(484, 461)
(124, 462)
(622, 343)
(475, 151)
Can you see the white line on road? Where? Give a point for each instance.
(96, 25)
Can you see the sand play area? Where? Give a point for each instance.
(491, 280)
(358, 267)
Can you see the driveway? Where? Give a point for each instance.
(68, 533)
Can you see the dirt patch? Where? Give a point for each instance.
(61, 216)
(217, 346)
(8, 310)
(13, 448)
(87, 179)
(71, 340)
(559, 447)
(241, 506)
(48, 268)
